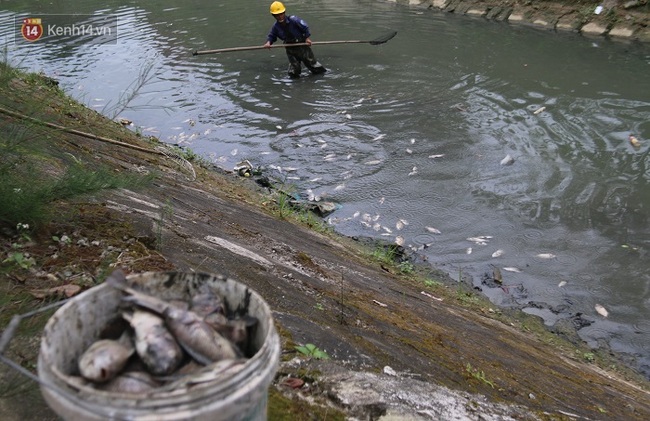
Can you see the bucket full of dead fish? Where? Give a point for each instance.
(160, 346)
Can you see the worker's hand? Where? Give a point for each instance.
(267, 45)
(308, 41)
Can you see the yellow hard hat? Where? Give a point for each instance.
(277, 8)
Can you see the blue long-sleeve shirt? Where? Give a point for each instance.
(294, 30)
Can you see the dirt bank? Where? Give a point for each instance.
(396, 337)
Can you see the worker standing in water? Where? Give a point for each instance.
(292, 30)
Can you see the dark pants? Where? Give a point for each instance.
(303, 54)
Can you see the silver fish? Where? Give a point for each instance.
(195, 336)
(207, 302)
(155, 345)
(202, 342)
(131, 382)
(104, 359)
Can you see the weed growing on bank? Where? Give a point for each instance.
(33, 175)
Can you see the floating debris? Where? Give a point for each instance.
(433, 230)
(634, 141)
(508, 160)
(601, 310)
(497, 253)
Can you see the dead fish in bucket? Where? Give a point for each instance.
(155, 345)
(196, 337)
(104, 359)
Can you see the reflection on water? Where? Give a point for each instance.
(410, 135)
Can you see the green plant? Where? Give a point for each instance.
(478, 375)
(19, 259)
(312, 351)
(589, 357)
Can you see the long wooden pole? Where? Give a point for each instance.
(261, 47)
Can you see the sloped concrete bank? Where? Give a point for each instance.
(627, 20)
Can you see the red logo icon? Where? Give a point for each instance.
(32, 29)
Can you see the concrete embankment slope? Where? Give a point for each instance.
(399, 344)
(619, 20)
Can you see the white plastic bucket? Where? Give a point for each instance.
(75, 326)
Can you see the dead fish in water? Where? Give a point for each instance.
(155, 345)
(497, 253)
(512, 269)
(433, 230)
(131, 382)
(601, 310)
(440, 155)
(634, 141)
(546, 255)
(539, 110)
(480, 240)
(508, 160)
(104, 359)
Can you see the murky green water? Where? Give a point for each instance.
(407, 136)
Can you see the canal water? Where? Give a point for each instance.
(408, 136)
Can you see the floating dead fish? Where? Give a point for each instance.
(366, 217)
(497, 253)
(330, 157)
(381, 136)
(348, 116)
(433, 230)
(512, 269)
(399, 240)
(376, 218)
(382, 200)
(409, 151)
(339, 187)
(399, 225)
(388, 230)
(561, 284)
(365, 224)
(539, 110)
(373, 162)
(313, 180)
(437, 156)
(104, 359)
(481, 240)
(508, 160)
(546, 255)
(468, 250)
(414, 171)
(278, 127)
(234, 152)
(634, 141)
(290, 169)
(356, 214)
(377, 226)
(601, 310)
(412, 141)
(155, 345)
